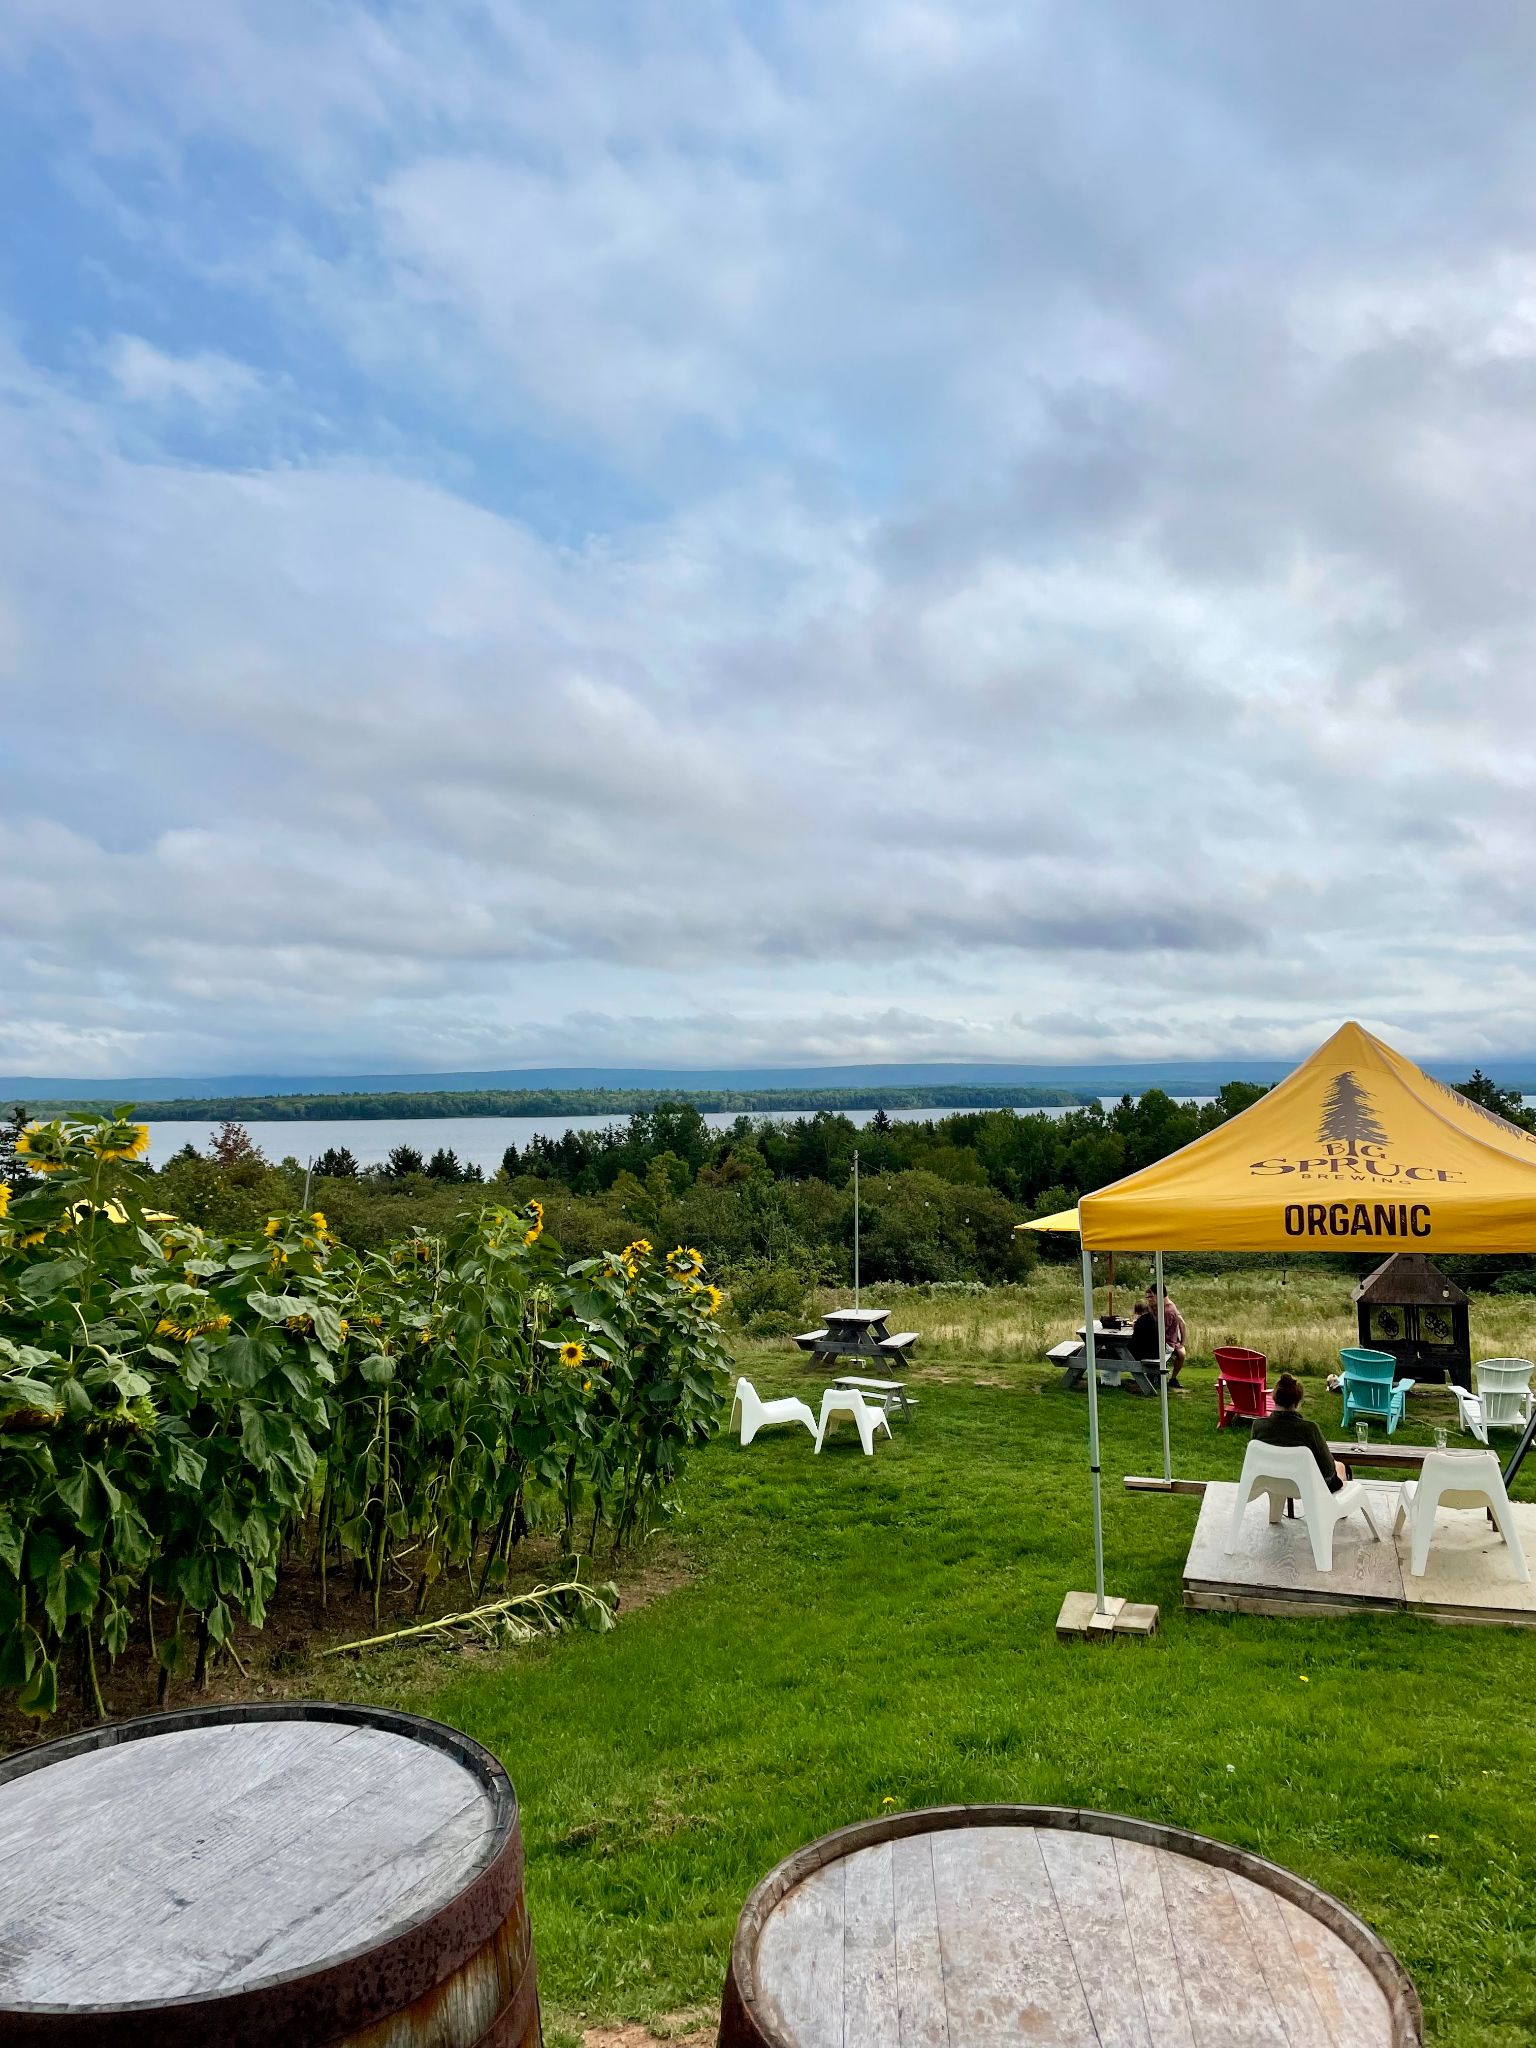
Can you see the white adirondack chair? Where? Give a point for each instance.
(850, 1402)
(1503, 1399)
(1284, 1473)
(751, 1413)
(1456, 1479)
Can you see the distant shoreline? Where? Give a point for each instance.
(555, 1102)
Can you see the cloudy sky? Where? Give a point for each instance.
(538, 531)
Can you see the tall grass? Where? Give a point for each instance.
(1299, 1321)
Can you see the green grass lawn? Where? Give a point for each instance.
(860, 1631)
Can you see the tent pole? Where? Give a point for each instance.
(1093, 1432)
(1162, 1362)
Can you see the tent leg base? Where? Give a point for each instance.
(1079, 1620)
(1134, 1483)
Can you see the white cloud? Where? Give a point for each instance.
(206, 382)
(892, 529)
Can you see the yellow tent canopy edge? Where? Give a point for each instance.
(1357, 1150)
(1064, 1220)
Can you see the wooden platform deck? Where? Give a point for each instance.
(1469, 1578)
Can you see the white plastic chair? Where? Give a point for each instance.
(1503, 1399)
(753, 1413)
(1285, 1473)
(849, 1401)
(1455, 1479)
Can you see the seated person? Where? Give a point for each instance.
(1144, 1337)
(1144, 1345)
(1292, 1430)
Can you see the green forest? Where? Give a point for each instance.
(768, 1201)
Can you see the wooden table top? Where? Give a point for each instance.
(857, 1315)
(991, 1936)
(1380, 1454)
(212, 1859)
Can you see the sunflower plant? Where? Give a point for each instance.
(180, 1411)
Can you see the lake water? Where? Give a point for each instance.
(477, 1140)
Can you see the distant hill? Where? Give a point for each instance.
(615, 1103)
(1067, 1080)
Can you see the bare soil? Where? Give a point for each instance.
(286, 1659)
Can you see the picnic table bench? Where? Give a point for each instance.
(856, 1333)
(889, 1393)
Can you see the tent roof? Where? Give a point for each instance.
(1358, 1150)
(1064, 1220)
(1408, 1280)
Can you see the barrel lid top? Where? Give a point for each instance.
(207, 1859)
(1062, 1927)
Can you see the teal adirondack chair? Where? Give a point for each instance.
(1370, 1392)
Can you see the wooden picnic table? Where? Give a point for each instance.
(856, 1333)
(1113, 1358)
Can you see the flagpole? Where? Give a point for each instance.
(855, 1226)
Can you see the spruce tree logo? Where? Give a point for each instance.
(1348, 1118)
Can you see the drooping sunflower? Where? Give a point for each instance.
(712, 1298)
(5, 1197)
(120, 1141)
(42, 1148)
(272, 1226)
(685, 1262)
(573, 1356)
(535, 1214)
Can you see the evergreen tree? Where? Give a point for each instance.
(1348, 1118)
(444, 1166)
(336, 1162)
(403, 1162)
(1505, 1103)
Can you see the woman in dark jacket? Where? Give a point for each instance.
(1292, 1430)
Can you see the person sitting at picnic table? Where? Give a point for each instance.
(1144, 1336)
(1292, 1430)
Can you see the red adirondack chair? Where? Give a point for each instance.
(1241, 1395)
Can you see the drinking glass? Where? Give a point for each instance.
(1441, 1439)
(1362, 1432)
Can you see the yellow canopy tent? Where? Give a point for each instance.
(1357, 1150)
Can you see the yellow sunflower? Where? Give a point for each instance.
(685, 1261)
(32, 1237)
(317, 1217)
(272, 1226)
(572, 1356)
(40, 1147)
(535, 1214)
(120, 1141)
(712, 1299)
(5, 1197)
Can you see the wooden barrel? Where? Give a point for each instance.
(296, 1874)
(987, 1926)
